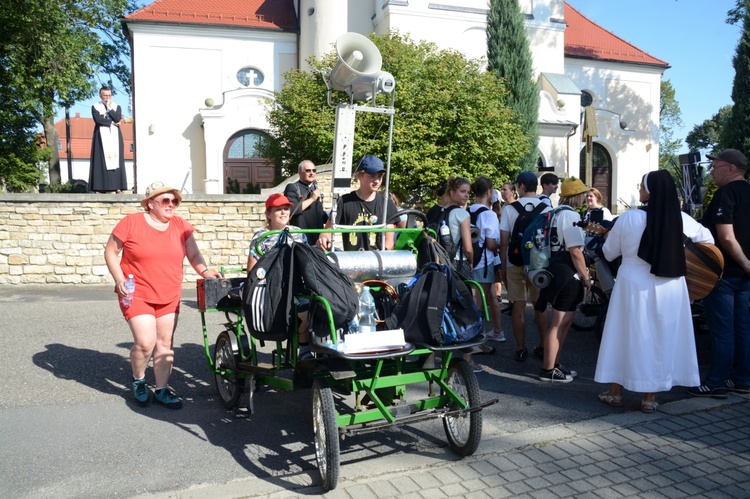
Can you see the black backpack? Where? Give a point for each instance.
(525, 217)
(435, 218)
(437, 309)
(317, 275)
(288, 270)
(267, 295)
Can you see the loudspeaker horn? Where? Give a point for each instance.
(357, 56)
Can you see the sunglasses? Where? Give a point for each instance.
(167, 201)
(310, 170)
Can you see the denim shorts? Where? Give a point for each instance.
(479, 274)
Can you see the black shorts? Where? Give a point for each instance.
(564, 298)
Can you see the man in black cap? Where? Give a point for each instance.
(363, 207)
(307, 200)
(726, 307)
(517, 283)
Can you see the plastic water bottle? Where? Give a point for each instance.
(444, 234)
(130, 288)
(367, 321)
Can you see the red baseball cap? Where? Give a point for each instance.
(277, 199)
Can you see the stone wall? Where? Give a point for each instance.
(60, 238)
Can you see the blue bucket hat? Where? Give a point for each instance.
(370, 164)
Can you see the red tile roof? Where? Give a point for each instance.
(586, 39)
(266, 14)
(81, 130)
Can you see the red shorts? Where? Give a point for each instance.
(140, 307)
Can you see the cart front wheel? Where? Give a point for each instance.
(464, 431)
(229, 387)
(326, 435)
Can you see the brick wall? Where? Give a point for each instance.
(60, 238)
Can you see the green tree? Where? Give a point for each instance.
(669, 117)
(707, 135)
(54, 53)
(449, 120)
(736, 133)
(509, 57)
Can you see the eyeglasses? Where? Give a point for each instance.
(310, 170)
(714, 166)
(167, 201)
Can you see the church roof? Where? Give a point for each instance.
(263, 14)
(583, 38)
(587, 40)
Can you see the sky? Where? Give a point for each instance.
(691, 35)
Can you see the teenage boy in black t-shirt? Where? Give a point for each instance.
(363, 207)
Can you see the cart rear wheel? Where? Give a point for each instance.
(229, 387)
(326, 435)
(464, 431)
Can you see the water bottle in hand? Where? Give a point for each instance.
(130, 288)
(367, 322)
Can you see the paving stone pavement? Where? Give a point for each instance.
(688, 448)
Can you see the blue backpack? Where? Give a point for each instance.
(536, 247)
(436, 308)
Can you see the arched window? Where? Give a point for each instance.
(243, 164)
(244, 145)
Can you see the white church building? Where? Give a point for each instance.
(205, 71)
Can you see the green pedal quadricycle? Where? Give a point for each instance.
(354, 390)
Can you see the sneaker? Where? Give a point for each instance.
(538, 352)
(554, 376)
(494, 336)
(141, 392)
(705, 391)
(167, 398)
(744, 389)
(305, 355)
(566, 372)
(521, 355)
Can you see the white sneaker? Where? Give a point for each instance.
(493, 336)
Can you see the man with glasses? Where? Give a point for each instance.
(726, 307)
(307, 200)
(107, 171)
(363, 207)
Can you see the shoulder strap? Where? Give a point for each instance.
(447, 211)
(539, 208)
(474, 215)
(690, 245)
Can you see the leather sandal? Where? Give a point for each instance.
(609, 399)
(649, 406)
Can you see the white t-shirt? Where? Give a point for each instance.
(489, 228)
(565, 234)
(455, 217)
